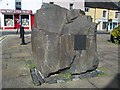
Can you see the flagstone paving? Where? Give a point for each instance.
(16, 74)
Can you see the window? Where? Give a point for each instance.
(116, 14)
(8, 20)
(25, 20)
(114, 24)
(18, 5)
(87, 9)
(104, 13)
(71, 6)
(17, 8)
(104, 26)
(51, 2)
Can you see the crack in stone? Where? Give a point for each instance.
(61, 70)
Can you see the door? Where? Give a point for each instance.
(16, 21)
(32, 21)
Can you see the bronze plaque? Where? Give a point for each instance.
(80, 42)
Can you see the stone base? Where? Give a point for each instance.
(62, 77)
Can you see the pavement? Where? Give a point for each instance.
(12, 31)
(28, 31)
(16, 74)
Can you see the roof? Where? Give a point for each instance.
(103, 5)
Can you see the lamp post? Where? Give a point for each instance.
(108, 20)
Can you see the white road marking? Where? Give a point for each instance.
(2, 38)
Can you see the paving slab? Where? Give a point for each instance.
(77, 83)
(17, 55)
(105, 82)
(15, 72)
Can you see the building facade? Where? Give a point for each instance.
(10, 18)
(24, 10)
(7, 4)
(21, 11)
(106, 14)
(69, 4)
(31, 5)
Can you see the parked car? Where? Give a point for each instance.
(115, 35)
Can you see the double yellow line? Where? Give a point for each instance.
(2, 37)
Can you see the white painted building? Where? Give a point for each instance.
(75, 4)
(24, 4)
(7, 4)
(104, 13)
(22, 10)
(31, 5)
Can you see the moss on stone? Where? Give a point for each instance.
(66, 75)
(30, 64)
(102, 72)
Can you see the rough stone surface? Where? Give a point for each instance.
(53, 41)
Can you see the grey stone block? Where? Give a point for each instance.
(53, 40)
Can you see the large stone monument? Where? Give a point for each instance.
(63, 40)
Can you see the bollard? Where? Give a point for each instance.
(20, 32)
(22, 36)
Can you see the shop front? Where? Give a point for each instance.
(12, 19)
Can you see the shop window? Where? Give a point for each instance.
(104, 13)
(104, 26)
(8, 20)
(25, 20)
(87, 9)
(71, 6)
